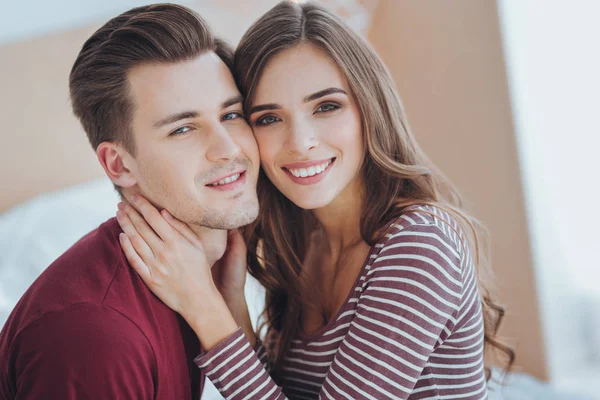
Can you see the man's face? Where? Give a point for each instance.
(195, 154)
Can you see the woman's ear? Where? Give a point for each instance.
(115, 161)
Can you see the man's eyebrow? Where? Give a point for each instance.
(176, 117)
(311, 97)
(195, 114)
(263, 107)
(232, 100)
(322, 93)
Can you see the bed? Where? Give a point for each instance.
(36, 232)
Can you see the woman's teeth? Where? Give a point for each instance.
(310, 171)
(227, 180)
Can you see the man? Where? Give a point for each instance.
(155, 95)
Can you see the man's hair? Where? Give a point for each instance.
(159, 33)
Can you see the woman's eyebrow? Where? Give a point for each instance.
(310, 97)
(322, 93)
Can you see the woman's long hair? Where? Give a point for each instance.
(395, 172)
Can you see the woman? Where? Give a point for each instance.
(372, 270)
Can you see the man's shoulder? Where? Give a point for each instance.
(98, 247)
(83, 274)
(92, 344)
(82, 325)
(85, 271)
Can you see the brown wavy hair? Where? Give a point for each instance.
(395, 172)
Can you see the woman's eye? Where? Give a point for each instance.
(327, 107)
(231, 116)
(266, 120)
(180, 131)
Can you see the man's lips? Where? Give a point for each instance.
(211, 183)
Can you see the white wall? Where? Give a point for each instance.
(20, 20)
(552, 50)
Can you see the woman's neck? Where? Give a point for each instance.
(339, 221)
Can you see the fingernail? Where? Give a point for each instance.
(122, 237)
(166, 214)
(121, 205)
(119, 215)
(134, 197)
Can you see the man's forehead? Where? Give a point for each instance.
(204, 82)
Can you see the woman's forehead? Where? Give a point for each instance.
(296, 73)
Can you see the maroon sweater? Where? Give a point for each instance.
(89, 328)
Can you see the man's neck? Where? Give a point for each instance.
(213, 240)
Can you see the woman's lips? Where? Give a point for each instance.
(308, 172)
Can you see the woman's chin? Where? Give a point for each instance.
(310, 202)
(308, 197)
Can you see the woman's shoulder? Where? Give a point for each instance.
(420, 253)
(425, 223)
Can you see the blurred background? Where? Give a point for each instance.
(502, 95)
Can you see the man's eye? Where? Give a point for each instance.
(231, 116)
(180, 131)
(266, 120)
(327, 107)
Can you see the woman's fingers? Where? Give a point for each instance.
(236, 247)
(152, 216)
(182, 228)
(138, 243)
(141, 226)
(236, 242)
(134, 259)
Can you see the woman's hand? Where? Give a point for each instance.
(171, 261)
(166, 254)
(229, 273)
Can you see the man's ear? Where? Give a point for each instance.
(116, 162)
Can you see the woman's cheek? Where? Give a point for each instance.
(336, 131)
(349, 128)
(269, 145)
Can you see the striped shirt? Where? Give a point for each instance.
(412, 328)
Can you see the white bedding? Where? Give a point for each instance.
(35, 233)
(519, 386)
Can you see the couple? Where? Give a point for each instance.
(370, 266)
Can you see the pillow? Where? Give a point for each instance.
(520, 386)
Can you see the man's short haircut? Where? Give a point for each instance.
(158, 33)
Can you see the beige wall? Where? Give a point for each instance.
(447, 61)
(43, 147)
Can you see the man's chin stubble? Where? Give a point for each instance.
(243, 215)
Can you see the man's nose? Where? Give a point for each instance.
(223, 146)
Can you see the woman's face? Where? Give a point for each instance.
(308, 128)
